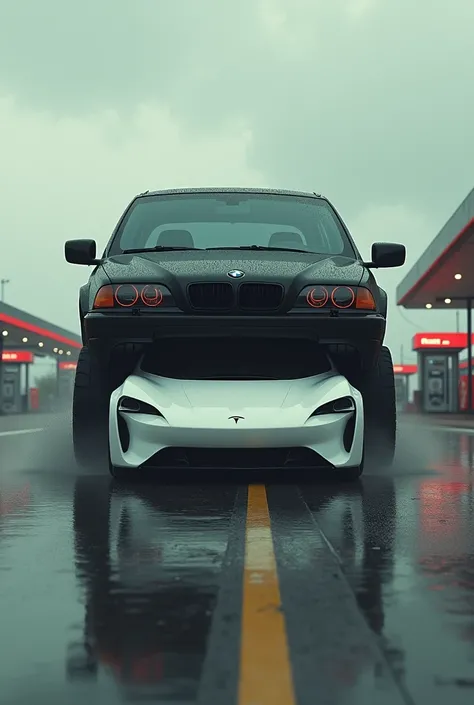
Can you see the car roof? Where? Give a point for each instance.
(231, 189)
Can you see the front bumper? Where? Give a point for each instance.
(364, 332)
(150, 441)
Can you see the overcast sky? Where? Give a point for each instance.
(366, 101)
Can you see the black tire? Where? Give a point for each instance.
(380, 410)
(90, 413)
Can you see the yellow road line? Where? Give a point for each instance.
(265, 670)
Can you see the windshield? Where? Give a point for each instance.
(232, 220)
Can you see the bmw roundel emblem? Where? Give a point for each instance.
(235, 274)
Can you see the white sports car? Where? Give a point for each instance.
(311, 422)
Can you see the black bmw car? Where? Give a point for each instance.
(240, 280)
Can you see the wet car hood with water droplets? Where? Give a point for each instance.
(284, 267)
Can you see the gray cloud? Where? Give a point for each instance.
(372, 106)
(368, 101)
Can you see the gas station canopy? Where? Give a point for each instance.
(442, 276)
(21, 333)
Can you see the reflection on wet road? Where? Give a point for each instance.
(216, 591)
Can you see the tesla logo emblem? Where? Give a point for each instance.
(235, 274)
(236, 418)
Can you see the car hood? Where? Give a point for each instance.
(262, 403)
(169, 267)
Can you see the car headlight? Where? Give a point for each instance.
(336, 297)
(135, 406)
(343, 405)
(129, 296)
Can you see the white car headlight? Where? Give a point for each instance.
(343, 405)
(135, 406)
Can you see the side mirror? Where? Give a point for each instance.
(387, 254)
(81, 252)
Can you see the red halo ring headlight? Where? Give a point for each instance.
(126, 295)
(151, 295)
(346, 294)
(318, 297)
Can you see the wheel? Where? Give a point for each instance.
(90, 409)
(93, 386)
(378, 391)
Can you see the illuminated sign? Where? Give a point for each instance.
(405, 369)
(430, 341)
(67, 365)
(17, 356)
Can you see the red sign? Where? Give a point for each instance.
(34, 398)
(430, 341)
(67, 365)
(464, 391)
(17, 356)
(405, 369)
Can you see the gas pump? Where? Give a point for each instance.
(11, 397)
(11, 402)
(463, 386)
(438, 363)
(402, 375)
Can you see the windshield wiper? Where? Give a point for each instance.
(157, 248)
(261, 247)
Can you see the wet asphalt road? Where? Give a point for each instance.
(216, 591)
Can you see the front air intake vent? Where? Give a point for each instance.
(237, 458)
(214, 296)
(260, 297)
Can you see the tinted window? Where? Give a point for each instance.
(232, 220)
